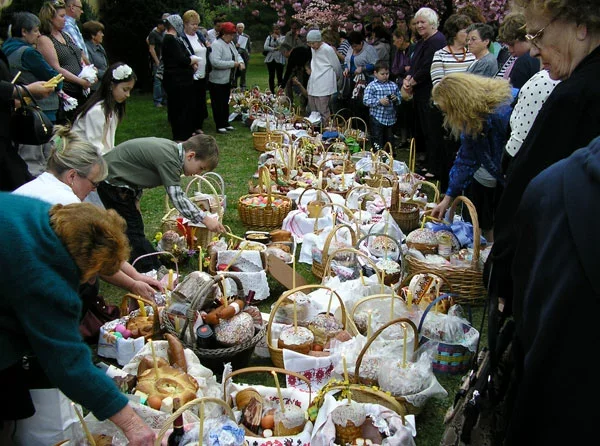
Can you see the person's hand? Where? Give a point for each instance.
(143, 289)
(213, 225)
(85, 84)
(38, 90)
(346, 72)
(155, 284)
(440, 210)
(137, 432)
(384, 101)
(236, 65)
(242, 66)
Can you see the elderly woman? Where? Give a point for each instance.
(39, 341)
(454, 57)
(476, 109)
(61, 52)
(565, 35)
(225, 61)
(197, 46)
(274, 58)
(178, 79)
(521, 65)
(480, 37)
(93, 35)
(429, 135)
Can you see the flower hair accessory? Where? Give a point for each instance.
(122, 72)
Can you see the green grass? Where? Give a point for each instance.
(238, 162)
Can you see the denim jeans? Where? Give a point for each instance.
(380, 134)
(158, 94)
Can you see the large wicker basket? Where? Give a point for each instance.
(261, 138)
(264, 218)
(467, 282)
(276, 352)
(214, 358)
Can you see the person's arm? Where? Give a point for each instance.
(35, 62)
(137, 432)
(46, 48)
(370, 97)
(91, 127)
(133, 283)
(190, 211)
(152, 51)
(437, 68)
(422, 73)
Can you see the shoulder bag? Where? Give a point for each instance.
(28, 123)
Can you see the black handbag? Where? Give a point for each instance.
(29, 124)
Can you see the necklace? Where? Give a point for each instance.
(464, 54)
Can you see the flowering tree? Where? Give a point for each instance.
(492, 10)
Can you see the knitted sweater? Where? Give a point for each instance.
(40, 308)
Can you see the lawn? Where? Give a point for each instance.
(238, 162)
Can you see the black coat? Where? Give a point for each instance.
(557, 304)
(569, 120)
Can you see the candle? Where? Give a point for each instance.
(276, 378)
(201, 427)
(404, 342)
(154, 359)
(293, 270)
(369, 323)
(345, 368)
(200, 258)
(142, 308)
(177, 324)
(295, 316)
(392, 307)
(329, 304)
(362, 278)
(320, 183)
(170, 283)
(409, 299)
(88, 434)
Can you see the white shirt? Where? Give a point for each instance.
(199, 51)
(211, 35)
(325, 71)
(48, 188)
(94, 128)
(532, 96)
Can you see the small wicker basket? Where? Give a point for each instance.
(318, 267)
(264, 218)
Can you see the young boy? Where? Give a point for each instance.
(382, 96)
(144, 163)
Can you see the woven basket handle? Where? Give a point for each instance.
(474, 221)
(346, 210)
(378, 394)
(124, 308)
(284, 296)
(169, 421)
(431, 305)
(217, 179)
(436, 191)
(331, 236)
(373, 297)
(368, 190)
(150, 254)
(260, 369)
(376, 334)
(412, 155)
(200, 179)
(320, 194)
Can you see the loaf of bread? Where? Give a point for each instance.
(175, 352)
(168, 381)
(281, 235)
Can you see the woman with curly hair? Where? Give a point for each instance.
(476, 109)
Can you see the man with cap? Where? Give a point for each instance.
(154, 41)
(325, 74)
(225, 61)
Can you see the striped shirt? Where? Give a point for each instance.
(445, 62)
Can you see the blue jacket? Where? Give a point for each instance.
(482, 151)
(40, 307)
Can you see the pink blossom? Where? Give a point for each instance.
(256, 13)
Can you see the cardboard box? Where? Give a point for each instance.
(283, 273)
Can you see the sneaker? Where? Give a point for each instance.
(222, 131)
(158, 105)
(230, 128)
(429, 175)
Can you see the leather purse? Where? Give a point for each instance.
(28, 123)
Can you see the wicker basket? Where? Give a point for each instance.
(318, 267)
(467, 282)
(375, 297)
(229, 401)
(407, 408)
(327, 270)
(264, 218)
(198, 401)
(214, 358)
(388, 279)
(261, 138)
(453, 359)
(201, 235)
(169, 221)
(276, 352)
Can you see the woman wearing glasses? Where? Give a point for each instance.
(565, 35)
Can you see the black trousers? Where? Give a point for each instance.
(124, 201)
(274, 68)
(430, 120)
(219, 102)
(200, 112)
(179, 109)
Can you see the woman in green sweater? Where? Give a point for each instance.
(48, 252)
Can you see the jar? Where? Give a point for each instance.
(444, 245)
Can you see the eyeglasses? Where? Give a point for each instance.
(78, 6)
(93, 183)
(535, 39)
